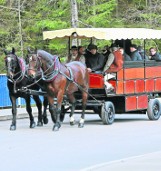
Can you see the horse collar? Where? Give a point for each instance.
(52, 75)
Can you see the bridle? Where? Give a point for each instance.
(45, 75)
(10, 58)
(37, 64)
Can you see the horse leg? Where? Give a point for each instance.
(14, 113)
(39, 107)
(72, 100)
(62, 114)
(45, 104)
(52, 111)
(57, 125)
(52, 108)
(29, 110)
(84, 101)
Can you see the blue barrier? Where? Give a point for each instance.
(4, 94)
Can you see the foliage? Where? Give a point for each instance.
(37, 16)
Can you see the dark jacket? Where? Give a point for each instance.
(95, 62)
(156, 57)
(126, 57)
(143, 55)
(135, 56)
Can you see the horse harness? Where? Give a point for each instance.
(22, 71)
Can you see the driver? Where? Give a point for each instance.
(113, 65)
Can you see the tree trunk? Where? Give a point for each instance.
(74, 12)
(74, 19)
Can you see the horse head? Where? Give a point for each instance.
(11, 63)
(34, 68)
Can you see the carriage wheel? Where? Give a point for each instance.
(108, 113)
(154, 109)
(97, 109)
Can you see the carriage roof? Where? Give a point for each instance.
(104, 33)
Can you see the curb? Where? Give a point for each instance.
(6, 114)
(19, 116)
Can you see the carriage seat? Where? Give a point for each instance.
(140, 64)
(152, 63)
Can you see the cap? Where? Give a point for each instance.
(113, 45)
(91, 46)
(73, 47)
(134, 46)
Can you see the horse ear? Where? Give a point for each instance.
(28, 50)
(36, 49)
(5, 51)
(13, 50)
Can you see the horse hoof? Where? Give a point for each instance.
(72, 123)
(12, 127)
(45, 120)
(39, 123)
(56, 127)
(80, 125)
(32, 125)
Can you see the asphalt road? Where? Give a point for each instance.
(132, 142)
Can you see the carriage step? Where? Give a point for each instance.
(90, 103)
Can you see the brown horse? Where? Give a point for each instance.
(61, 79)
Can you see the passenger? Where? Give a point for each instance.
(126, 57)
(94, 60)
(135, 56)
(80, 57)
(113, 65)
(74, 54)
(106, 52)
(154, 55)
(142, 53)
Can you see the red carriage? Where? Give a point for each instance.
(137, 84)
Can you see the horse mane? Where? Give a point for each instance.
(45, 55)
(22, 65)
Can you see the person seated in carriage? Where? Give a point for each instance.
(126, 57)
(106, 51)
(94, 59)
(73, 55)
(80, 57)
(142, 53)
(135, 55)
(113, 65)
(154, 55)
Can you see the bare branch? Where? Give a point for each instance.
(15, 9)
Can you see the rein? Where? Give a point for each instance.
(80, 87)
(53, 74)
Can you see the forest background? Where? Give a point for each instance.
(22, 22)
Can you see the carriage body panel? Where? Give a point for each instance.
(133, 85)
